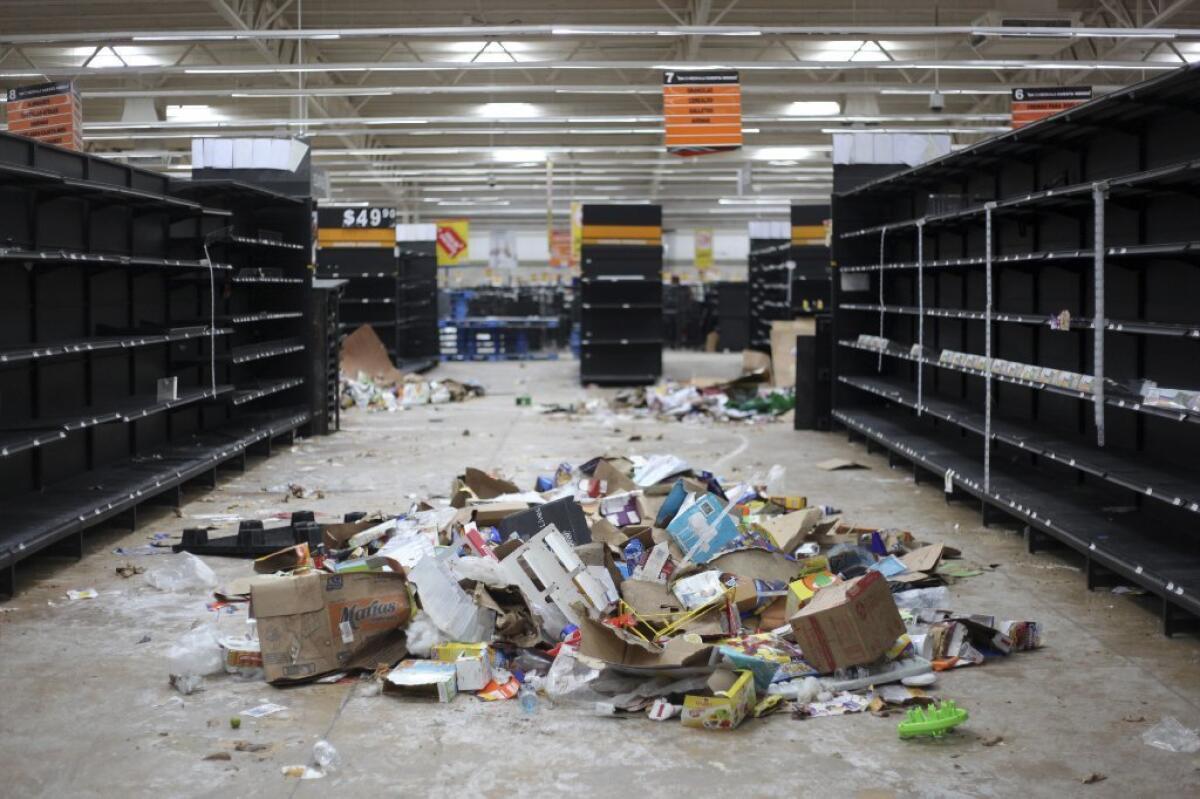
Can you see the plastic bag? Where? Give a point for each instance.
(1172, 736)
(423, 635)
(775, 478)
(481, 570)
(568, 678)
(195, 655)
(919, 598)
(185, 572)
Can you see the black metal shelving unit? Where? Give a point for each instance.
(418, 340)
(811, 287)
(358, 246)
(621, 295)
(769, 278)
(118, 334)
(1019, 319)
(733, 319)
(325, 360)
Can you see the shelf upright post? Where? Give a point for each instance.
(987, 351)
(882, 243)
(1099, 193)
(920, 314)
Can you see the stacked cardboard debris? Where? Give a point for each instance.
(634, 584)
(370, 380)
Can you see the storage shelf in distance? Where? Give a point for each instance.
(105, 259)
(1170, 249)
(74, 347)
(263, 388)
(1172, 485)
(41, 518)
(1128, 404)
(1141, 553)
(1077, 322)
(121, 411)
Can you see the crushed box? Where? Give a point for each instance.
(848, 624)
(423, 679)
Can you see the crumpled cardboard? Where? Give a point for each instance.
(314, 623)
(630, 655)
(362, 351)
(848, 624)
(788, 531)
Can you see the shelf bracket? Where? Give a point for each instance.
(987, 355)
(920, 314)
(1099, 195)
(882, 260)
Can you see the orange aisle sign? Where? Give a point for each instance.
(1030, 105)
(47, 112)
(452, 238)
(702, 111)
(560, 249)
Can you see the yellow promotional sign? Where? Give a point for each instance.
(452, 241)
(704, 248)
(576, 234)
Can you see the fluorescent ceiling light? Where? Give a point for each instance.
(516, 156)
(814, 108)
(508, 110)
(193, 113)
(782, 153)
(784, 163)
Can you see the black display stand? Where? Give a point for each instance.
(418, 343)
(810, 255)
(1019, 292)
(109, 297)
(770, 267)
(621, 317)
(325, 358)
(358, 245)
(733, 320)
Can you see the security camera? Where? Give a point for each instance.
(937, 102)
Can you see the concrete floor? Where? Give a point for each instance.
(85, 709)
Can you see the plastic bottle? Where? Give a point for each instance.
(326, 756)
(528, 698)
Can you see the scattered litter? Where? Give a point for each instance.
(370, 381)
(263, 710)
(746, 399)
(993, 741)
(219, 756)
(247, 746)
(302, 772)
(630, 587)
(1128, 590)
(1172, 736)
(82, 593)
(183, 573)
(326, 756)
(128, 570)
(1093, 778)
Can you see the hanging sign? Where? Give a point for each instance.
(702, 111)
(48, 112)
(452, 238)
(1031, 104)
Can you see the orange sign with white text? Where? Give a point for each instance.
(702, 111)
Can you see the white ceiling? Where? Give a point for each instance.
(492, 110)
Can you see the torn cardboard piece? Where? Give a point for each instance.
(363, 352)
(838, 464)
(630, 655)
(564, 515)
(788, 531)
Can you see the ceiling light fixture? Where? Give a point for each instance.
(508, 110)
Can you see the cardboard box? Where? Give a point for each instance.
(848, 624)
(564, 514)
(315, 623)
(710, 508)
(731, 697)
(423, 679)
(783, 348)
(472, 663)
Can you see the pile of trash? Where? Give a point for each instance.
(748, 398)
(362, 391)
(369, 379)
(623, 586)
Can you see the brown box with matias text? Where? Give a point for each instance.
(315, 623)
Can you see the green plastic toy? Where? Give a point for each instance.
(932, 722)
